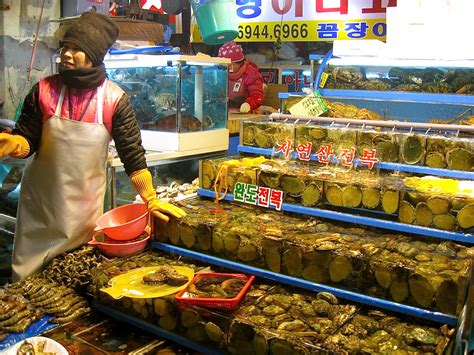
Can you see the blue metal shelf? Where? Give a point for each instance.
(456, 174)
(140, 323)
(388, 96)
(400, 96)
(292, 281)
(368, 221)
(286, 95)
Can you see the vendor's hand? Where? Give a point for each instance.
(13, 145)
(161, 209)
(245, 107)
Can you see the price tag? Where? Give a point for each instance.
(311, 105)
(324, 78)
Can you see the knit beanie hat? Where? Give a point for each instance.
(231, 50)
(94, 33)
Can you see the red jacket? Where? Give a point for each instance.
(246, 85)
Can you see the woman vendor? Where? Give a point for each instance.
(245, 81)
(66, 125)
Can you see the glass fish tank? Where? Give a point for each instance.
(401, 75)
(451, 109)
(173, 93)
(11, 171)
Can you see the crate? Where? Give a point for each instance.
(216, 303)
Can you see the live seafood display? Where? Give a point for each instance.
(340, 109)
(176, 191)
(228, 172)
(170, 94)
(403, 269)
(194, 323)
(440, 203)
(450, 152)
(275, 319)
(23, 302)
(302, 184)
(331, 186)
(266, 134)
(431, 80)
(335, 109)
(287, 321)
(165, 275)
(310, 185)
(348, 142)
(161, 311)
(72, 269)
(215, 287)
(337, 138)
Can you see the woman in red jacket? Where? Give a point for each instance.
(245, 81)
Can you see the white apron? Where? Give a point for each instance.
(62, 190)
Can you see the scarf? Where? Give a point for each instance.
(239, 73)
(83, 78)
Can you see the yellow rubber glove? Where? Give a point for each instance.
(143, 183)
(245, 107)
(13, 145)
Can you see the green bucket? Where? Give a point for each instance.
(217, 20)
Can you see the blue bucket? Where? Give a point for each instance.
(217, 20)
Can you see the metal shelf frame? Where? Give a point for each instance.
(418, 169)
(311, 286)
(465, 100)
(154, 329)
(367, 221)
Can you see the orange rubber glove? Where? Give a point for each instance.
(143, 183)
(13, 145)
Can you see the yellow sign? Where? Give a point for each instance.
(312, 105)
(131, 284)
(327, 30)
(316, 20)
(324, 78)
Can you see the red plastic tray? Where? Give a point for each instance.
(215, 303)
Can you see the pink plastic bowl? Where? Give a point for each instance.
(120, 249)
(123, 223)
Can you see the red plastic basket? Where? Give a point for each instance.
(215, 303)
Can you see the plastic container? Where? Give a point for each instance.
(50, 346)
(216, 303)
(217, 20)
(123, 223)
(111, 247)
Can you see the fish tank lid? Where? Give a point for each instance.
(378, 61)
(143, 60)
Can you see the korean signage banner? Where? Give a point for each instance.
(311, 20)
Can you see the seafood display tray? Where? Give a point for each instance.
(139, 323)
(292, 281)
(367, 221)
(418, 169)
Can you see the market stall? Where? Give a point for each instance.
(341, 224)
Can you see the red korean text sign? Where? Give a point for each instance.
(325, 154)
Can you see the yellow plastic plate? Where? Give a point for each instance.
(131, 284)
